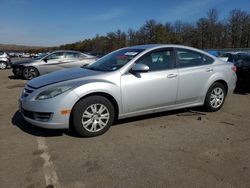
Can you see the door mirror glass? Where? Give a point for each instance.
(140, 68)
(45, 59)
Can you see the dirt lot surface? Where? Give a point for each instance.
(184, 148)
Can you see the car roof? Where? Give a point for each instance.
(150, 46)
(87, 55)
(155, 46)
(64, 51)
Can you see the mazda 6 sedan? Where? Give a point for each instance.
(128, 82)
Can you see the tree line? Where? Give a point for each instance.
(208, 32)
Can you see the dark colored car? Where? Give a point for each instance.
(242, 61)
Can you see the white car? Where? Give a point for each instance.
(4, 60)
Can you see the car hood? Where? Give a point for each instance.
(60, 76)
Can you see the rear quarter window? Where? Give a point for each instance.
(190, 58)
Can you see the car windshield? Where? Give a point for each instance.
(41, 56)
(114, 60)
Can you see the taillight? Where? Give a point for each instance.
(234, 68)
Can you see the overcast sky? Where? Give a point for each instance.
(55, 22)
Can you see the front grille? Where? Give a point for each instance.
(28, 114)
(38, 116)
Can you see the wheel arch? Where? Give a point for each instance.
(103, 94)
(223, 82)
(31, 66)
(217, 78)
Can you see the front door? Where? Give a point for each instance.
(52, 62)
(153, 89)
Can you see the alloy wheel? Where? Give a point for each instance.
(29, 73)
(3, 65)
(217, 97)
(95, 117)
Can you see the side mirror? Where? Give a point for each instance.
(45, 59)
(137, 68)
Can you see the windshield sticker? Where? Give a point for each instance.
(131, 53)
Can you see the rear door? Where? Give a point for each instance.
(194, 71)
(153, 89)
(72, 59)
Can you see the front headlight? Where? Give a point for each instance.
(53, 92)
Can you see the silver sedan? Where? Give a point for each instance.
(128, 82)
(50, 62)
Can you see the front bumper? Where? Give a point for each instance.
(17, 70)
(47, 113)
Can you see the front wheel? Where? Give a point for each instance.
(93, 116)
(215, 97)
(3, 65)
(30, 73)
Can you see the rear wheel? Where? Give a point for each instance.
(93, 116)
(3, 65)
(215, 97)
(30, 73)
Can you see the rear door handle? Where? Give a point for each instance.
(172, 76)
(209, 70)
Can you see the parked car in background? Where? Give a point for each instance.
(11, 54)
(128, 82)
(213, 52)
(53, 61)
(224, 56)
(26, 55)
(5, 60)
(242, 62)
(96, 54)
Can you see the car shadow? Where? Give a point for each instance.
(195, 111)
(13, 77)
(18, 121)
(242, 88)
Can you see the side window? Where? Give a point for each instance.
(72, 55)
(56, 55)
(158, 60)
(230, 58)
(189, 58)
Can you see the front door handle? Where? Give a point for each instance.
(209, 70)
(172, 76)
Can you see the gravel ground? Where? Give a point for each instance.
(184, 148)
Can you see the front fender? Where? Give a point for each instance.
(100, 87)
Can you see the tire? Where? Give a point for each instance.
(87, 116)
(30, 73)
(3, 65)
(215, 97)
